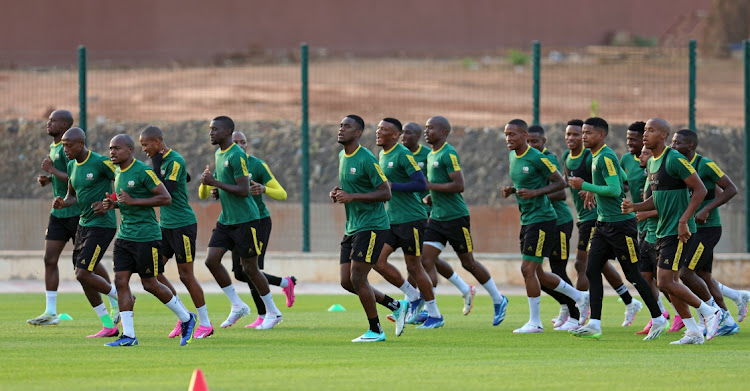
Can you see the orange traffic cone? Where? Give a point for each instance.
(198, 382)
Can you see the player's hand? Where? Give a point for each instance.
(526, 194)
(47, 164)
(427, 200)
(640, 216)
(215, 193)
(506, 191)
(99, 208)
(343, 197)
(58, 203)
(207, 178)
(333, 194)
(124, 198)
(256, 188)
(43, 180)
(701, 216)
(109, 201)
(575, 182)
(627, 207)
(589, 200)
(683, 232)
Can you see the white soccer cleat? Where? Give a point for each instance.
(269, 322)
(712, 324)
(469, 299)
(689, 339)
(529, 328)
(657, 330)
(583, 307)
(742, 305)
(562, 317)
(570, 324)
(44, 319)
(235, 315)
(630, 311)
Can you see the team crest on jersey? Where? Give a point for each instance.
(525, 169)
(131, 183)
(593, 167)
(435, 164)
(163, 172)
(390, 164)
(353, 170)
(89, 176)
(421, 164)
(226, 163)
(250, 176)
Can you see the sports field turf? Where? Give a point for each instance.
(311, 350)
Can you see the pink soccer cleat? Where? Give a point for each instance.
(177, 330)
(204, 332)
(289, 292)
(677, 325)
(256, 323)
(645, 329)
(106, 332)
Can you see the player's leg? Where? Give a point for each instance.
(598, 252)
(585, 231)
(360, 268)
(558, 264)
(124, 266)
(391, 274)
(55, 239)
(437, 234)
(221, 240)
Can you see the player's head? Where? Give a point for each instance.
(121, 148)
(388, 131)
(634, 137)
(350, 129)
(644, 156)
(240, 139)
(436, 129)
(655, 133)
(574, 134)
(594, 130)
(684, 141)
(74, 142)
(535, 137)
(412, 132)
(516, 132)
(152, 140)
(220, 130)
(59, 122)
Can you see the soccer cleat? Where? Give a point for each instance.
(677, 325)
(399, 316)
(469, 299)
(586, 332)
(630, 311)
(645, 329)
(712, 324)
(204, 332)
(562, 317)
(370, 336)
(44, 319)
(269, 322)
(742, 305)
(665, 314)
(235, 315)
(570, 324)
(289, 291)
(728, 330)
(415, 307)
(255, 324)
(689, 339)
(656, 331)
(500, 312)
(124, 341)
(583, 307)
(391, 318)
(433, 323)
(106, 332)
(422, 317)
(177, 330)
(529, 328)
(187, 329)
(114, 313)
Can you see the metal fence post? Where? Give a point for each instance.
(747, 144)
(535, 88)
(691, 94)
(305, 154)
(82, 116)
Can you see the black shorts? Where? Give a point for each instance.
(241, 238)
(647, 257)
(364, 246)
(264, 234)
(618, 239)
(90, 245)
(61, 229)
(138, 257)
(409, 236)
(179, 242)
(701, 254)
(457, 232)
(672, 252)
(534, 240)
(561, 244)
(585, 231)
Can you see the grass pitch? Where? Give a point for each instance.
(311, 350)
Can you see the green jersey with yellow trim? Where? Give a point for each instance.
(651, 222)
(636, 175)
(562, 210)
(709, 173)
(440, 164)
(91, 180)
(530, 170)
(259, 173)
(579, 166)
(60, 187)
(231, 163)
(398, 164)
(360, 173)
(179, 213)
(138, 223)
(667, 174)
(421, 157)
(604, 165)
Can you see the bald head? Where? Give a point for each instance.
(412, 127)
(124, 140)
(153, 133)
(63, 115)
(440, 122)
(74, 135)
(658, 124)
(240, 139)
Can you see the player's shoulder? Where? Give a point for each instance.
(549, 154)
(173, 155)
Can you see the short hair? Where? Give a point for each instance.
(152, 132)
(412, 126)
(126, 139)
(536, 129)
(598, 123)
(395, 123)
(638, 126)
(226, 121)
(519, 123)
(360, 122)
(689, 135)
(575, 122)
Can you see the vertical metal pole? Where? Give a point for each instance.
(82, 88)
(691, 98)
(535, 88)
(747, 144)
(305, 155)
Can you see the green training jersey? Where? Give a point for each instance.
(398, 164)
(59, 187)
(421, 157)
(138, 223)
(579, 166)
(259, 173)
(360, 173)
(91, 180)
(604, 165)
(667, 174)
(709, 173)
(636, 175)
(530, 170)
(561, 207)
(440, 164)
(179, 213)
(651, 222)
(231, 163)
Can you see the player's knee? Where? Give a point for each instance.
(82, 275)
(528, 269)
(149, 285)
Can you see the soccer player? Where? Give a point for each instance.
(615, 233)
(670, 175)
(534, 177)
(137, 247)
(90, 178)
(364, 190)
(697, 273)
(262, 182)
(450, 220)
(179, 226)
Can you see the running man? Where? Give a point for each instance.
(450, 219)
(179, 226)
(615, 233)
(137, 247)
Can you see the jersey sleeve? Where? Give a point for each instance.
(711, 170)
(409, 164)
(545, 165)
(679, 167)
(610, 167)
(238, 164)
(108, 169)
(149, 179)
(173, 171)
(450, 162)
(265, 173)
(375, 173)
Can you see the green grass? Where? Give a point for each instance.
(311, 350)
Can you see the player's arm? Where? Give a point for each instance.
(456, 185)
(558, 195)
(49, 166)
(382, 193)
(271, 187)
(69, 200)
(240, 188)
(628, 206)
(555, 183)
(418, 183)
(725, 190)
(611, 189)
(160, 197)
(645, 215)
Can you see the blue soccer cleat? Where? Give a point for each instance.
(415, 307)
(399, 316)
(370, 336)
(500, 312)
(124, 341)
(433, 323)
(421, 318)
(187, 330)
